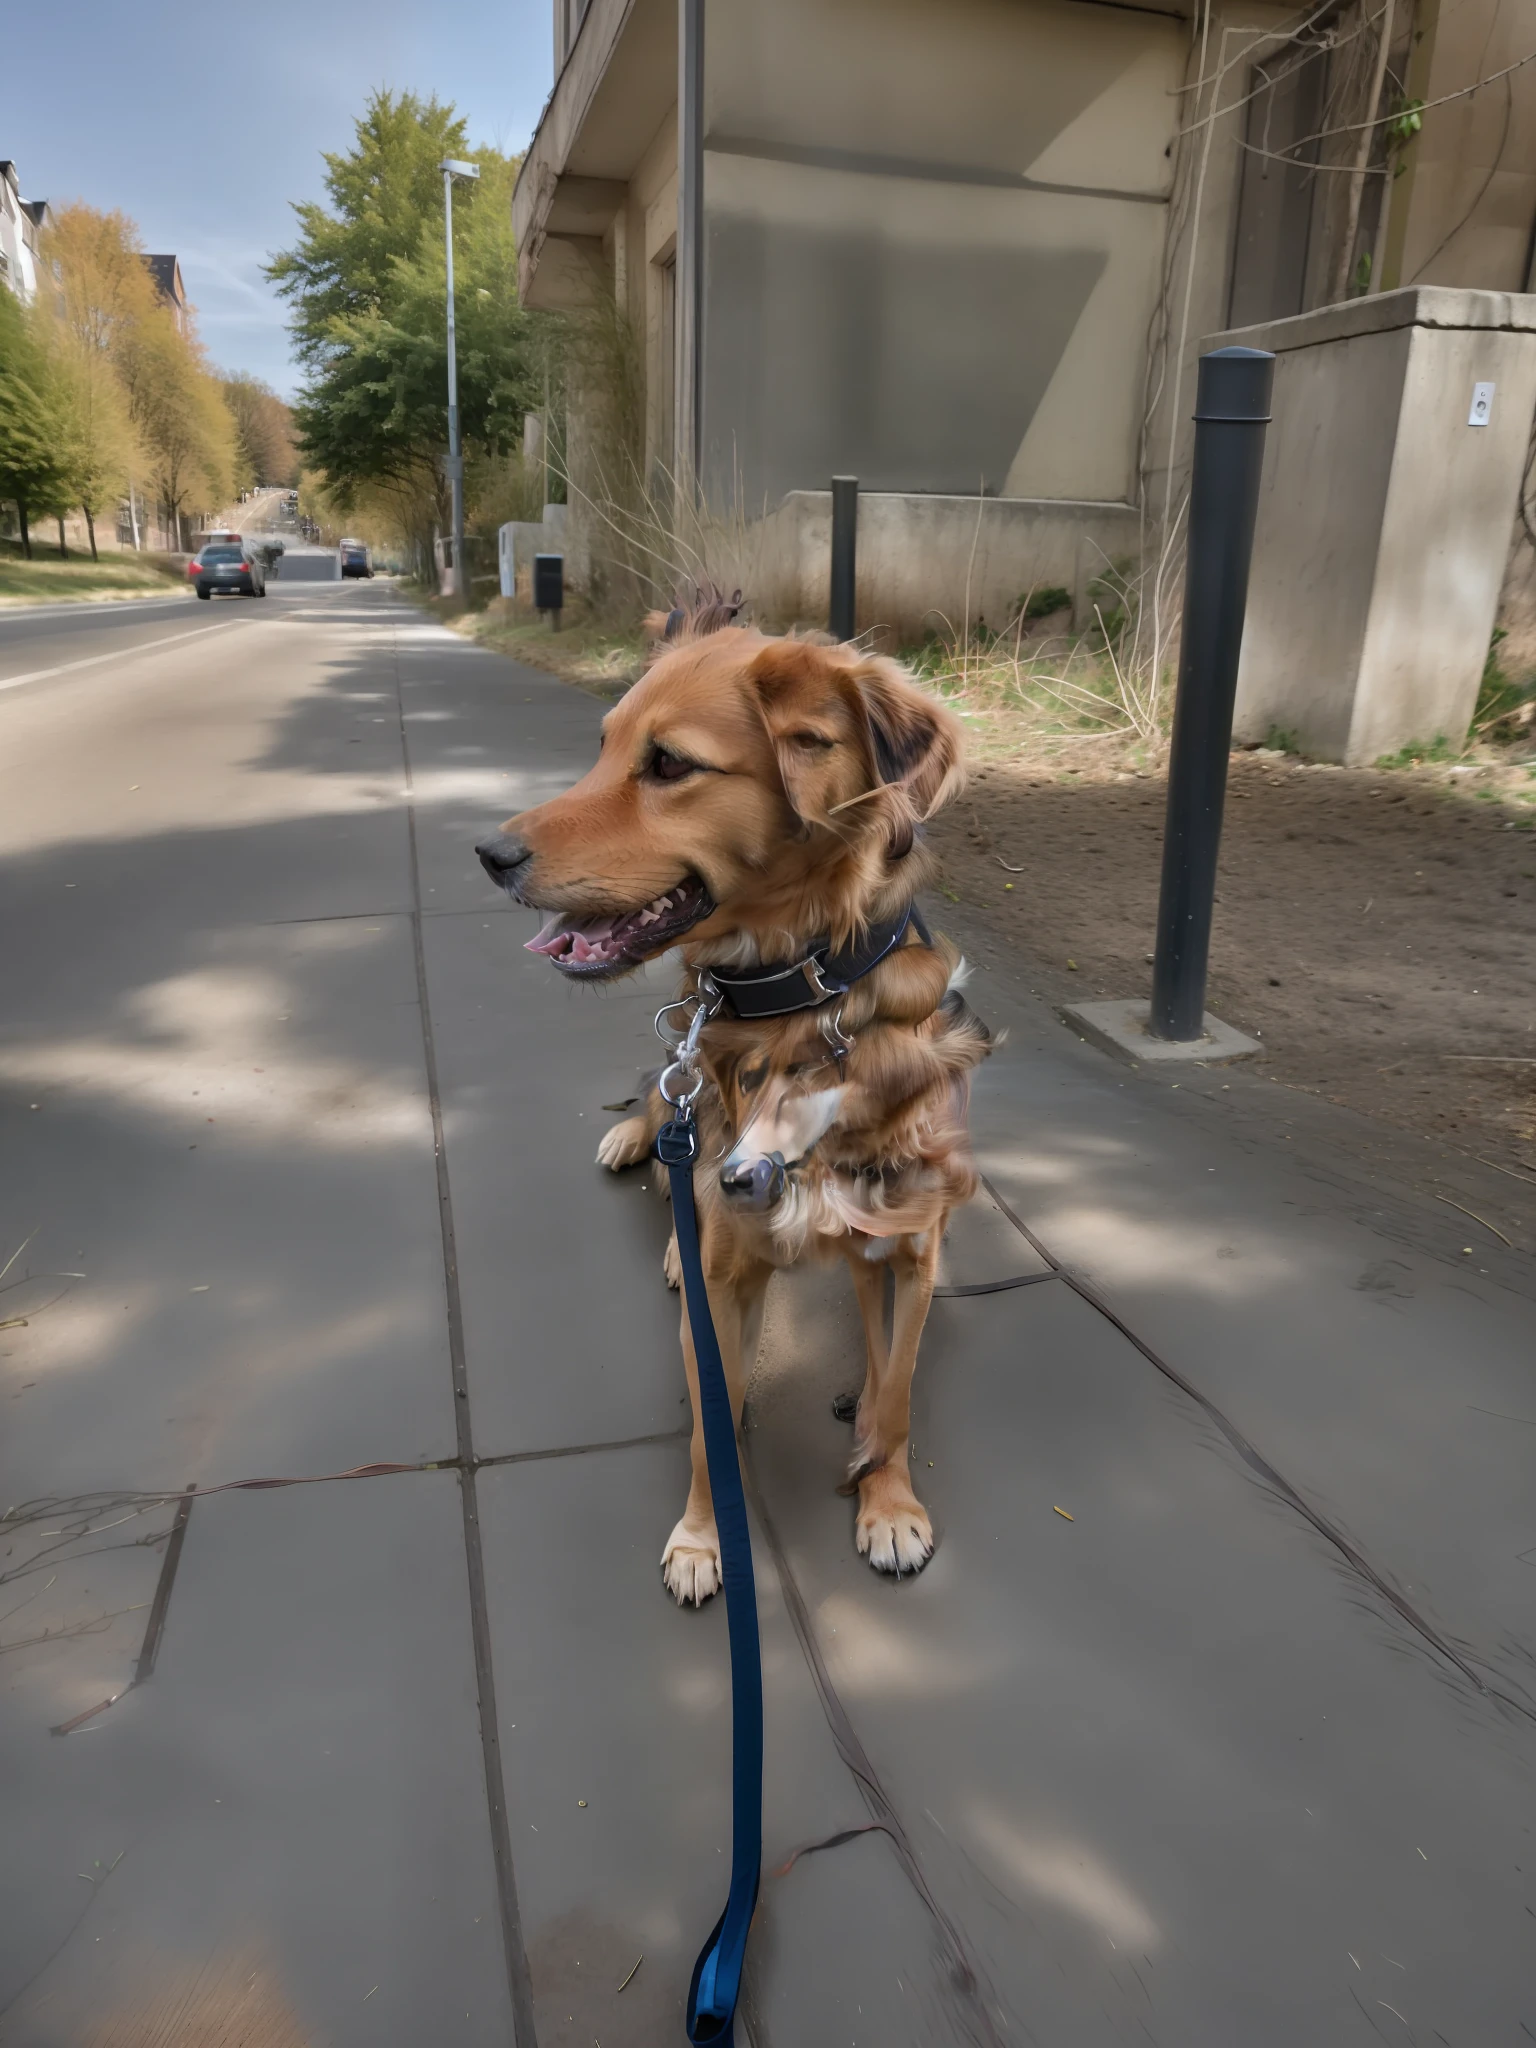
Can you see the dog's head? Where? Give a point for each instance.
(745, 786)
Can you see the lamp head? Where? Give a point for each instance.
(457, 170)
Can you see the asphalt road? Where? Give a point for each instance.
(44, 642)
(1211, 1721)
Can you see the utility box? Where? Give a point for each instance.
(520, 540)
(549, 584)
(1392, 475)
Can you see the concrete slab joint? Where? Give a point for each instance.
(1122, 1029)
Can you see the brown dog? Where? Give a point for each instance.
(756, 803)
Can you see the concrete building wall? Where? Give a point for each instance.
(968, 249)
(1464, 209)
(933, 238)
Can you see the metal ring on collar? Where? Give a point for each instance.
(690, 1073)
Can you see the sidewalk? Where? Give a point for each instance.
(1175, 1769)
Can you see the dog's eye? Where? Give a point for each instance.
(813, 739)
(751, 1082)
(665, 767)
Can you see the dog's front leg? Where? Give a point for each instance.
(892, 1528)
(690, 1564)
(627, 1143)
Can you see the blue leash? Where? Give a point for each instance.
(716, 1983)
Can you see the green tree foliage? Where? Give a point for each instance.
(367, 284)
(103, 449)
(37, 448)
(263, 432)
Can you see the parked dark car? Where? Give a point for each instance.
(355, 559)
(237, 570)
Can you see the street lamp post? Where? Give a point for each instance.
(452, 169)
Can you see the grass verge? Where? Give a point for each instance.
(78, 579)
(600, 659)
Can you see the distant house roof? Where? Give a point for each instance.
(166, 271)
(36, 210)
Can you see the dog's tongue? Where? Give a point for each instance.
(551, 936)
(558, 939)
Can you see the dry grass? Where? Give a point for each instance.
(594, 657)
(1039, 689)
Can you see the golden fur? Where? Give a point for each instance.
(787, 780)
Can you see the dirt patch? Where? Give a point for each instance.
(1376, 929)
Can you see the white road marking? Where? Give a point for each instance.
(65, 668)
(89, 607)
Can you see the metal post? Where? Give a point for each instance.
(842, 619)
(455, 463)
(688, 407)
(1231, 412)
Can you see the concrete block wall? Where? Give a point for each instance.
(1384, 517)
(932, 563)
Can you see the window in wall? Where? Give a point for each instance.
(1274, 208)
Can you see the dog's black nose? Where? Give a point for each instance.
(762, 1183)
(502, 856)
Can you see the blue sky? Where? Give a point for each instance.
(203, 123)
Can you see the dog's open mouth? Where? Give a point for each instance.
(592, 946)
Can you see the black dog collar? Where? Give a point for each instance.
(821, 977)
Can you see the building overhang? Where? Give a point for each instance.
(615, 89)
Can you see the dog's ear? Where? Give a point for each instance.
(844, 729)
(813, 722)
(915, 741)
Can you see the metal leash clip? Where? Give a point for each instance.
(682, 1082)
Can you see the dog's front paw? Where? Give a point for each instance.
(671, 1264)
(690, 1564)
(892, 1530)
(625, 1145)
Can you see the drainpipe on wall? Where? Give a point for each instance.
(688, 411)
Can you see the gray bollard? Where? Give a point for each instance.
(1231, 413)
(842, 622)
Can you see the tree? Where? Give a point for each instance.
(178, 427)
(383, 190)
(105, 298)
(100, 445)
(105, 288)
(263, 432)
(182, 420)
(367, 283)
(37, 452)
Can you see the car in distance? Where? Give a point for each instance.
(233, 569)
(355, 559)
